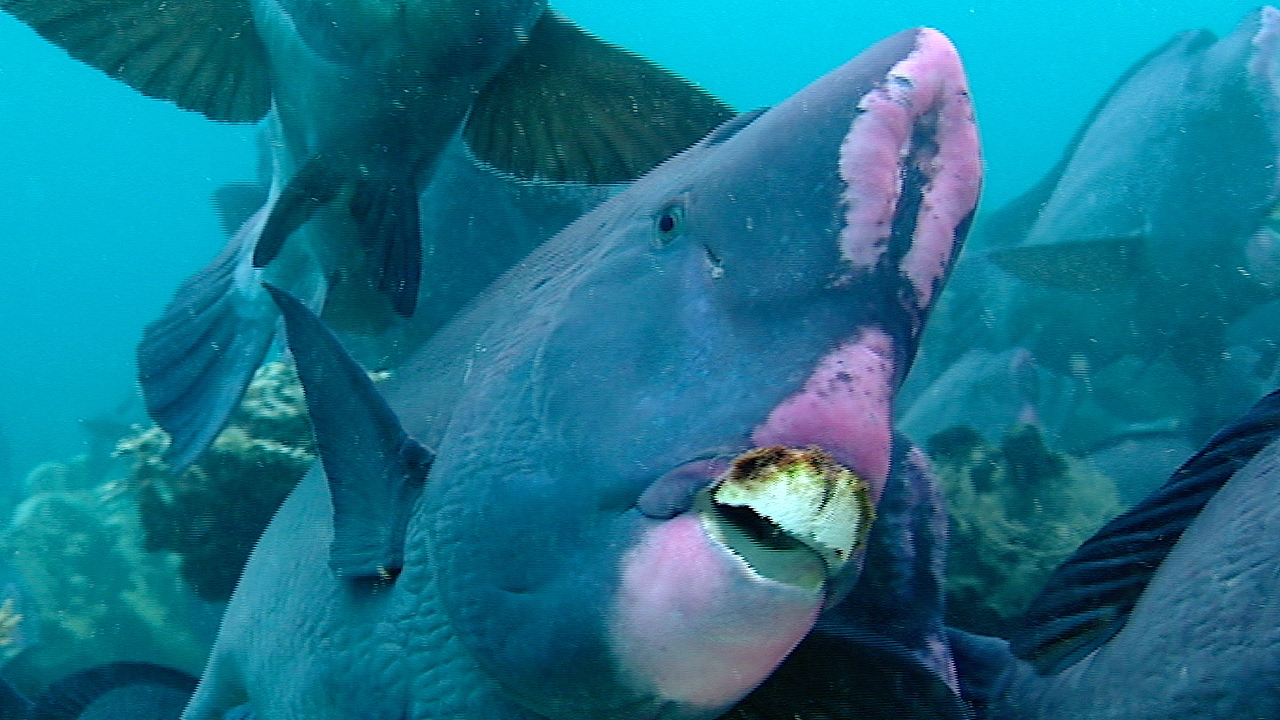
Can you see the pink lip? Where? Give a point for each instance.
(843, 408)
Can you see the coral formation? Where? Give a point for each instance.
(97, 595)
(1017, 511)
(212, 514)
(103, 558)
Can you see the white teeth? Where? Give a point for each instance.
(806, 494)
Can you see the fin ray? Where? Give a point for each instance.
(163, 48)
(196, 360)
(573, 108)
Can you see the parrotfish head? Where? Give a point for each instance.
(667, 460)
(442, 38)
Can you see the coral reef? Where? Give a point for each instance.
(212, 514)
(97, 595)
(1017, 511)
(105, 556)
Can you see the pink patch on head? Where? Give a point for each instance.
(844, 408)
(693, 624)
(925, 93)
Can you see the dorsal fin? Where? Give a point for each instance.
(1088, 598)
(374, 469)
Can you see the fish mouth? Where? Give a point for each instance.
(776, 503)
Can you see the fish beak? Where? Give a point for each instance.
(774, 503)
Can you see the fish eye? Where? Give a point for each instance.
(669, 224)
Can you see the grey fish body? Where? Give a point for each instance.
(538, 519)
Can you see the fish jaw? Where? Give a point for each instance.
(676, 637)
(844, 408)
(710, 602)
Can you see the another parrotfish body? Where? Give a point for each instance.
(626, 482)
(1118, 284)
(363, 97)
(1151, 233)
(1171, 610)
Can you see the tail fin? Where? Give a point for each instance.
(195, 360)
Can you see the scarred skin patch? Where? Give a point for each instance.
(920, 116)
(843, 408)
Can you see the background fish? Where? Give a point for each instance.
(363, 96)
(545, 534)
(1122, 279)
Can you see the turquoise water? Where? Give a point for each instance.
(104, 194)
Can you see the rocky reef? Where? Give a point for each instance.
(212, 514)
(84, 591)
(125, 560)
(1017, 510)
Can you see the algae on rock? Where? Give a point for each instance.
(97, 595)
(212, 514)
(1016, 512)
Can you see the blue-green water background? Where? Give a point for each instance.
(104, 194)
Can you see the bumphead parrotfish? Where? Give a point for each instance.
(362, 96)
(1170, 611)
(1155, 231)
(627, 481)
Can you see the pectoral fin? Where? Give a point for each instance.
(374, 469)
(203, 55)
(573, 108)
(1087, 266)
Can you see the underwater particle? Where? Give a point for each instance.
(212, 514)
(1016, 512)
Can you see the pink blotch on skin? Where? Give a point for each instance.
(695, 625)
(927, 88)
(844, 408)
